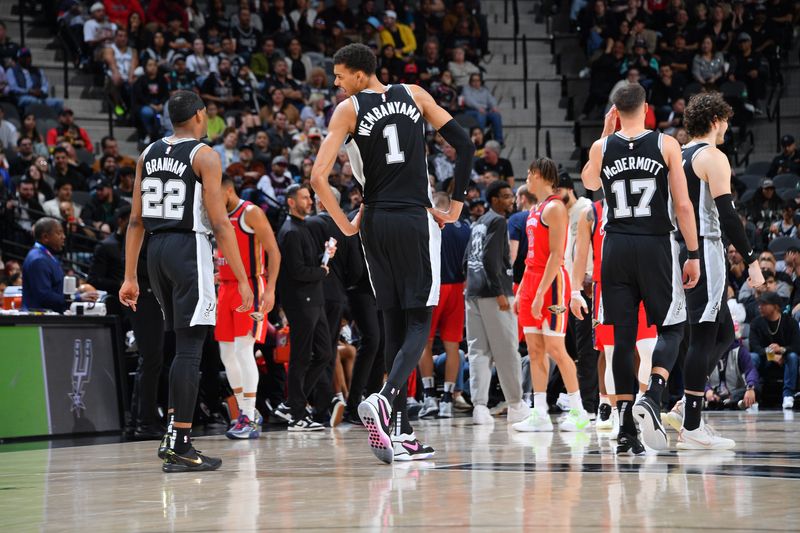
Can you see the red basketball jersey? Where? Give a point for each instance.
(539, 236)
(597, 239)
(249, 247)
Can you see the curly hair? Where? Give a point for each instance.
(356, 57)
(547, 168)
(703, 109)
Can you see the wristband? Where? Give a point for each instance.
(576, 294)
(751, 258)
(694, 254)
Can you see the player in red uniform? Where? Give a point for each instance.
(238, 332)
(590, 233)
(542, 301)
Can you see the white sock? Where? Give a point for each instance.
(449, 386)
(575, 401)
(339, 396)
(248, 406)
(604, 400)
(540, 402)
(428, 383)
(239, 399)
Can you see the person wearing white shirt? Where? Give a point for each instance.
(98, 31)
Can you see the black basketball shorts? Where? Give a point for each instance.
(706, 301)
(641, 268)
(402, 251)
(181, 271)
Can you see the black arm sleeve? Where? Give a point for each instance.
(733, 229)
(454, 134)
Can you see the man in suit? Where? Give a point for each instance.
(301, 294)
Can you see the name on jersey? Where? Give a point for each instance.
(165, 164)
(383, 110)
(632, 163)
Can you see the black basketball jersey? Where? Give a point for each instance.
(172, 194)
(387, 149)
(705, 210)
(636, 187)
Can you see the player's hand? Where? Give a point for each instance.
(326, 269)
(577, 304)
(691, 273)
(502, 303)
(536, 306)
(749, 398)
(355, 224)
(266, 302)
(247, 297)
(515, 306)
(610, 122)
(129, 294)
(755, 276)
(331, 251)
(447, 217)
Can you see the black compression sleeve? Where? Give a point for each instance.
(732, 227)
(457, 137)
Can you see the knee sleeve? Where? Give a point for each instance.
(247, 362)
(622, 360)
(184, 376)
(702, 342)
(227, 353)
(669, 341)
(608, 375)
(410, 340)
(645, 347)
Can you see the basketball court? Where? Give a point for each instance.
(482, 478)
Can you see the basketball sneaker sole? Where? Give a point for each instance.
(654, 435)
(379, 440)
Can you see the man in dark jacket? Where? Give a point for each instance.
(108, 262)
(99, 212)
(775, 343)
(491, 323)
(302, 297)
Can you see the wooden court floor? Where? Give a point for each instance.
(481, 479)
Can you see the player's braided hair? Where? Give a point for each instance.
(703, 110)
(547, 168)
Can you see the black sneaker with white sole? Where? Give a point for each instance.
(629, 444)
(648, 417)
(283, 413)
(305, 424)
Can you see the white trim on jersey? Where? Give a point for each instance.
(605, 143)
(714, 259)
(194, 152)
(243, 222)
(661, 143)
(356, 162)
(355, 103)
(435, 251)
(205, 310)
(146, 150)
(200, 222)
(626, 139)
(677, 307)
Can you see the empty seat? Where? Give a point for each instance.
(758, 168)
(779, 245)
(10, 111)
(41, 111)
(786, 181)
(752, 181)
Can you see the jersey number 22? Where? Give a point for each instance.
(163, 200)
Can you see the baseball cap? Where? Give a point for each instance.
(246, 147)
(280, 160)
(564, 180)
(770, 298)
(475, 202)
(96, 6)
(22, 52)
(390, 14)
(102, 184)
(67, 111)
(744, 36)
(314, 132)
(766, 183)
(786, 140)
(640, 43)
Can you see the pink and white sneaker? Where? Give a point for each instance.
(407, 447)
(376, 414)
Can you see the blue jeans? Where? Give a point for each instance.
(492, 118)
(791, 362)
(25, 100)
(438, 368)
(148, 117)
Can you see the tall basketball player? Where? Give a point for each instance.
(384, 127)
(542, 299)
(237, 332)
(708, 175)
(642, 177)
(177, 200)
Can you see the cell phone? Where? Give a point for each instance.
(257, 316)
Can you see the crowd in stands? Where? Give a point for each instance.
(265, 74)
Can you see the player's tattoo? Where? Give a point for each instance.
(590, 215)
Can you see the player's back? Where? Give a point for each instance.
(636, 185)
(705, 210)
(387, 149)
(172, 194)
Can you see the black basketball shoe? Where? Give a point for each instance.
(191, 461)
(629, 444)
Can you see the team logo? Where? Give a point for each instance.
(557, 309)
(81, 374)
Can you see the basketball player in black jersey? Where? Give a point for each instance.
(383, 128)
(177, 199)
(708, 175)
(642, 177)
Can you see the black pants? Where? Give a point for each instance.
(323, 393)
(586, 361)
(148, 327)
(369, 323)
(309, 357)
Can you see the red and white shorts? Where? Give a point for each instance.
(604, 334)
(448, 316)
(555, 307)
(230, 322)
